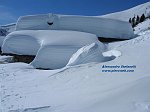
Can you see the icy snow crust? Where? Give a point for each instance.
(99, 26)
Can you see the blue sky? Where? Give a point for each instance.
(10, 10)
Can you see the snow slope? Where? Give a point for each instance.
(130, 13)
(141, 27)
(99, 26)
(82, 88)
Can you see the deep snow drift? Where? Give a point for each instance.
(87, 54)
(28, 42)
(99, 26)
(54, 57)
(52, 48)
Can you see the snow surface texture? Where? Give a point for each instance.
(57, 56)
(87, 54)
(130, 13)
(99, 26)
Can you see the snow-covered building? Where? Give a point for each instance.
(53, 38)
(101, 27)
(53, 48)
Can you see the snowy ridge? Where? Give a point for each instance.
(130, 13)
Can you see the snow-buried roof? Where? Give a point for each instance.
(53, 48)
(28, 42)
(101, 27)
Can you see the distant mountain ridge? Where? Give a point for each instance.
(6, 29)
(129, 13)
